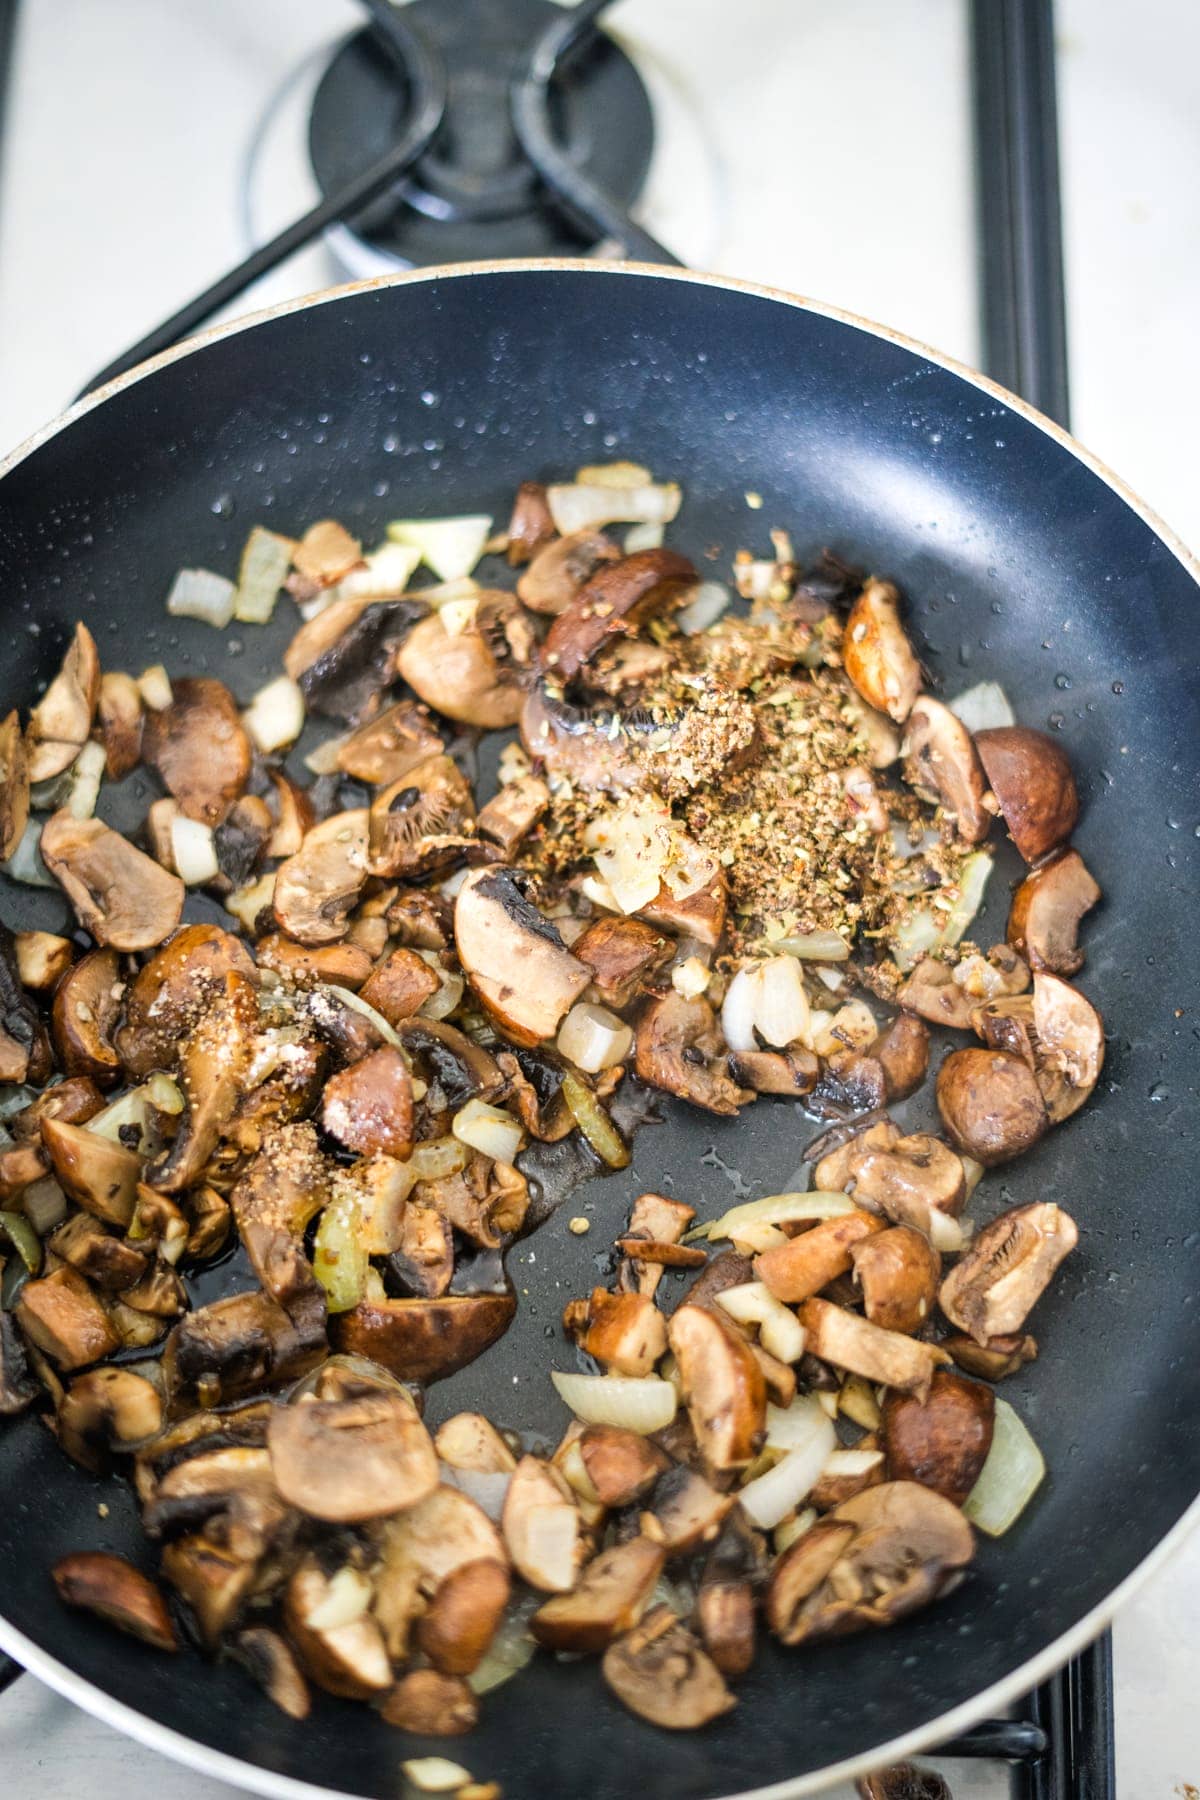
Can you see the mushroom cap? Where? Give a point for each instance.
(349, 1660)
(349, 1460)
(990, 1104)
(898, 1271)
(317, 888)
(668, 1029)
(902, 1052)
(424, 1339)
(610, 1597)
(86, 1007)
(942, 1441)
(459, 674)
(876, 653)
(942, 761)
(431, 1704)
(614, 601)
(559, 568)
(120, 715)
(1043, 920)
(463, 1615)
(514, 959)
(115, 1591)
(994, 1285)
(904, 1177)
(269, 1659)
(60, 722)
(1070, 1044)
(119, 894)
(723, 1386)
(369, 1106)
(542, 1527)
(661, 1673)
(1030, 775)
(199, 748)
(171, 992)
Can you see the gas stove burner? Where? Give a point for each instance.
(473, 195)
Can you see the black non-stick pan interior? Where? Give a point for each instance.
(1020, 563)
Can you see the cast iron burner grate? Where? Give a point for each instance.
(535, 140)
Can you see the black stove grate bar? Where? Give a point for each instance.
(10, 1671)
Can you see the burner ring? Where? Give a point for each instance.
(473, 196)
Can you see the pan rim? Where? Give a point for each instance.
(1000, 1694)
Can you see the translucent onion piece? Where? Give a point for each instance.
(343, 997)
(25, 864)
(489, 1129)
(275, 716)
(973, 880)
(771, 1497)
(690, 977)
(781, 1014)
(45, 1204)
(87, 772)
(339, 1259)
(154, 685)
(447, 592)
(793, 1528)
(441, 1004)
(385, 573)
(614, 475)
(948, 1235)
(458, 616)
(193, 851)
(852, 1027)
(643, 537)
(266, 559)
(737, 1010)
(595, 1123)
(437, 1158)
(200, 594)
(638, 1403)
(486, 1487)
(778, 1209)
(580, 506)
(780, 1331)
(593, 1038)
(323, 760)
(435, 1774)
(703, 608)
(450, 547)
(1009, 1478)
(510, 1649)
(916, 934)
(983, 707)
(246, 903)
(631, 849)
(904, 846)
(793, 1427)
(841, 1463)
(814, 946)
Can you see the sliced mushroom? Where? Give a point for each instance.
(611, 1596)
(61, 1316)
(621, 1465)
(424, 1340)
(212, 1581)
(172, 992)
(1069, 1053)
(942, 764)
(120, 895)
(349, 1659)
(593, 747)
(462, 1069)
(463, 1615)
(898, 1272)
(625, 1331)
(199, 748)
(421, 1263)
(623, 956)
(269, 1660)
(350, 1460)
(94, 1171)
(14, 785)
(559, 570)
(339, 965)
(346, 656)
(660, 1672)
(42, 959)
(469, 1441)
(422, 823)
(902, 1052)
(509, 818)
(60, 722)
(120, 715)
(678, 1049)
(725, 1615)
(792, 1072)
(399, 986)
(19, 1387)
(907, 1178)
(212, 1069)
(106, 1410)
(530, 525)
(877, 655)
(1030, 775)
(431, 1704)
(542, 1527)
(87, 1006)
(990, 1104)
(227, 1490)
(514, 959)
(237, 1346)
(1043, 920)
(700, 912)
(804, 1265)
(24, 1045)
(115, 1591)
(317, 888)
(661, 1221)
(723, 1387)
(995, 1359)
(616, 599)
(461, 674)
(388, 746)
(992, 1289)
(853, 1343)
(942, 1441)
(872, 1561)
(687, 1511)
(369, 1106)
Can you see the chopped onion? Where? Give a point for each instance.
(779, 1330)
(445, 593)
(441, 1004)
(778, 1209)
(754, 579)
(346, 1598)
(983, 707)
(1010, 1477)
(452, 884)
(643, 537)
(435, 1774)
(903, 844)
(486, 1487)
(631, 849)
(595, 1123)
(44, 1204)
(946, 1234)
(154, 685)
(613, 475)
(193, 851)
(593, 1038)
(586, 506)
(691, 977)
(842, 1463)
(383, 575)
(766, 1000)
(738, 1008)
(786, 1533)
(25, 864)
(596, 889)
(573, 1469)
(856, 1398)
(915, 935)
(704, 608)
(638, 1403)
(771, 1497)
(794, 1427)
(755, 1240)
(137, 1109)
(275, 716)
(458, 615)
(323, 760)
(343, 997)
(339, 1259)
(831, 978)
(489, 1129)
(438, 1158)
(87, 772)
(972, 1173)
(814, 946)
(510, 1649)
(246, 903)
(200, 594)
(266, 559)
(972, 881)
(852, 1027)
(450, 547)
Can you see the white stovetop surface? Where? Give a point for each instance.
(834, 163)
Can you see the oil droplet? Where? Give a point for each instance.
(429, 398)
(1055, 721)
(1172, 824)
(1062, 682)
(1158, 1093)
(391, 444)
(1118, 687)
(224, 506)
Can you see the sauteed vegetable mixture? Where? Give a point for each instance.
(732, 853)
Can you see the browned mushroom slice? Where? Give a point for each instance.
(723, 1387)
(76, 1100)
(62, 1317)
(469, 1441)
(431, 1704)
(213, 1066)
(316, 890)
(990, 1104)
(24, 1044)
(14, 785)
(226, 1488)
(95, 1172)
(687, 1510)
(942, 1441)
(1043, 920)
(106, 1410)
(621, 1466)
(269, 1660)
(462, 1069)
(615, 601)
(877, 655)
(399, 986)
(1070, 1045)
(611, 1596)
(416, 825)
(902, 1052)
(664, 1256)
(461, 674)
(350, 1460)
(795, 1071)
(348, 1659)
(932, 993)
(42, 959)
(660, 1672)
(661, 1220)
(942, 764)
(514, 959)
(725, 1615)
(678, 1049)
(625, 1331)
(237, 1346)
(115, 1591)
(996, 1359)
(852, 1343)
(284, 1187)
(199, 748)
(698, 914)
(1030, 775)
(212, 1581)
(120, 716)
(391, 744)
(173, 990)
(340, 965)
(513, 813)
(806, 1264)
(559, 570)
(463, 1615)
(369, 1106)
(87, 1005)
(992, 1289)
(60, 722)
(623, 955)
(530, 525)
(837, 1486)
(542, 1527)
(347, 656)
(898, 1272)
(424, 1340)
(119, 894)
(907, 1178)
(422, 1261)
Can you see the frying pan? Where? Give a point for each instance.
(1022, 560)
